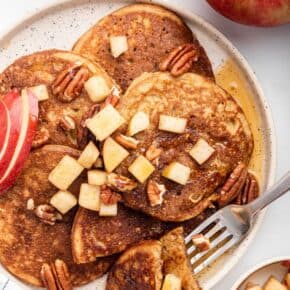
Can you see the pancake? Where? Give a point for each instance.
(152, 32)
(94, 236)
(26, 242)
(212, 115)
(44, 68)
(175, 260)
(140, 267)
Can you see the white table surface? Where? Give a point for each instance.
(268, 52)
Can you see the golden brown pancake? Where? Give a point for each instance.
(212, 114)
(26, 242)
(152, 31)
(140, 267)
(175, 260)
(43, 68)
(94, 236)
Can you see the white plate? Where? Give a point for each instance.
(61, 23)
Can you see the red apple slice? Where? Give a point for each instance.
(29, 117)
(12, 104)
(5, 124)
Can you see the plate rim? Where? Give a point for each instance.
(189, 16)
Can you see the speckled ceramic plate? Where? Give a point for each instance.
(61, 23)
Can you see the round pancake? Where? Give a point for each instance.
(26, 242)
(212, 114)
(152, 31)
(43, 68)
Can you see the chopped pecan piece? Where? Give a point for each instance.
(127, 142)
(155, 192)
(47, 214)
(234, 184)
(180, 59)
(41, 138)
(153, 152)
(69, 83)
(67, 123)
(108, 196)
(56, 276)
(201, 242)
(120, 182)
(250, 190)
(112, 100)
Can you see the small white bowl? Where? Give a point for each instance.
(260, 273)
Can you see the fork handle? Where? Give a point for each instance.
(273, 193)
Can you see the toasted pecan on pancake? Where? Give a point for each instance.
(26, 242)
(212, 115)
(45, 68)
(152, 32)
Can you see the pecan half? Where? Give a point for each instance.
(41, 138)
(47, 214)
(56, 276)
(250, 190)
(120, 182)
(108, 196)
(112, 100)
(127, 142)
(234, 184)
(155, 192)
(153, 152)
(67, 123)
(69, 83)
(180, 59)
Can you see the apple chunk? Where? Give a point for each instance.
(139, 122)
(89, 155)
(177, 172)
(113, 154)
(172, 124)
(103, 124)
(118, 45)
(89, 197)
(40, 92)
(141, 168)
(108, 209)
(63, 201)
(171, 282)
(65, 172)
(97, 177)
(274, 284)
(97, 88)
(201, 151)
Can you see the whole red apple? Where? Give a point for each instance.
(254, 12)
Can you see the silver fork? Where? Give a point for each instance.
(230, 225)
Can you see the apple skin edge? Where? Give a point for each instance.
(4, 124)
(263, 13)
(25, 149)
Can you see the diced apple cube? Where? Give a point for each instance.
(118, 45)
(97, 177)
(177, 172)
(65, 172)
(141, 168)
(89, 197)
(172, 282)
(89, 155)
(40, 92)
(103, 124)
(108, 209)
(274, 284)
(172, 124)
(201, 151)
(97, 88)
(113, 154)
(139, 122)
(63, 201)
(251, 286)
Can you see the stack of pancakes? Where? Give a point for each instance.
(152, 32)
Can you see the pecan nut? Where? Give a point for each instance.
(153, 152)
(41, 138)
(110, 100)
(250, 190)
(108, 196)
(69, 83)
(127, 142)
(120, 182)
(56, 276)
(155, 192)
(180, 59)
(234, 184)
(47, 214)
(67, 123)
